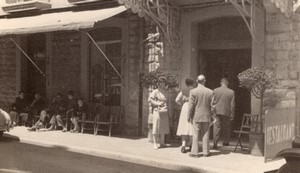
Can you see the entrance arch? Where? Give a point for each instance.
(189, 34)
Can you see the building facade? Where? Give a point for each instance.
(185, 38)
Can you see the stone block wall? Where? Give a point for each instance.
(65, 61)
(132, 113)
(282, 57)
(7, 72)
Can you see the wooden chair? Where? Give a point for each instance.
(102, 118)
(247, 124)
(116, 117)
(110, 116)
(88, 119)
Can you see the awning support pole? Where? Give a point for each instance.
(103, 54)
(28, 57)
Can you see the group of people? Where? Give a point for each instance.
(201, 108)
(54, 114)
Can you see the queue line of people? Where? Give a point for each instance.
(201, 108)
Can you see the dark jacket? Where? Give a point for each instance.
(21, 105)
(224, 101)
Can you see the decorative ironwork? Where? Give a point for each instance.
(163, 12)
(247, 8)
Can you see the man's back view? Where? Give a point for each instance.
(224, 104)
(200, 100)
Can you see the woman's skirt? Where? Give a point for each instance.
(184, 127)
(160, 122)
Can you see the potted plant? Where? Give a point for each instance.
(150, 80)
(257, 80)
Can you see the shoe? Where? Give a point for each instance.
(206, 155)
(188, 150)
(64, 130)
(194, 155)
(155, 147)
(31, 129)
(225, 144)
(50, 128)
(72, 131)
(183, 149)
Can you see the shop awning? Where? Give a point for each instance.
(70, 20)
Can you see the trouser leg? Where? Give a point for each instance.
(225, 129)
(205, 139)
(217, 129)
(75, 122)
(195, 145)
(59, 121)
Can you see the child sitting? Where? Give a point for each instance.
(80, 110)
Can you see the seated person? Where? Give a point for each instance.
(57, 110)
(44, 115)
(71, 104)
(36, 107)
(13, 114)
(21, 108)
(80, 110)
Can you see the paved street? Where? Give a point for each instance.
(22, 158)
(86, 152)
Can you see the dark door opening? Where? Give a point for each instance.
(216, 64)
(36, 49)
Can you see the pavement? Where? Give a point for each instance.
(140, 151)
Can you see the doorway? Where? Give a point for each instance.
(105, 84)
(228, 63)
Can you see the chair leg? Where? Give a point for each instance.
(96, 129)
(110, 127)
(82, 126)
(237, 143)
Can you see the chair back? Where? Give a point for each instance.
(116, 114)
(102, 113)
(249, 122)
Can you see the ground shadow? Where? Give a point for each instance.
(29, 158)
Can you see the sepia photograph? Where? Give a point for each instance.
(149, 86)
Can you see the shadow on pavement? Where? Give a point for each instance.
(29, 158)
(9, 138)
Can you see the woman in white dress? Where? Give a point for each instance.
(184, 127)
(158, 100)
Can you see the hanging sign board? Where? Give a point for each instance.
(280, 127)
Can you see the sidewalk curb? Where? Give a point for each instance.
(127, 157)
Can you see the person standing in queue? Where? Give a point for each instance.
(200, 114)
(158, 100)
(224, 103)
(185, 129)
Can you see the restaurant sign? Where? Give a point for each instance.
(280, 127)
(11, 6)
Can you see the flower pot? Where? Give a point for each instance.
(257, 144)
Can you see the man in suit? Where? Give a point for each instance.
(224, 104)
(199, 114)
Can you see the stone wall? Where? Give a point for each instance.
(7, 72)
(132, 114)
(65, 62)
(282, 57)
